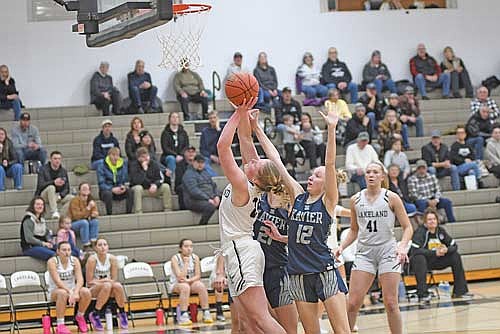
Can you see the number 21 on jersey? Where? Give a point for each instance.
(304, 233)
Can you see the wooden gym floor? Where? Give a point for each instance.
(478, 316)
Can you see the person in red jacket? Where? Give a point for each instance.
(427, 72)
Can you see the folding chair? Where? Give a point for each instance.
(431, 281)
(5, 304)
(31, 280)
(135, 271)
(167, 271)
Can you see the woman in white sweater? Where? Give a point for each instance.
(310, 75)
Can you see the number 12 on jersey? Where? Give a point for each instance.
(304, 232)
(372, 226)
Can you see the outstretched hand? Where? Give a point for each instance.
(245, 106)
(331, 118)
(274, 233)
(253, 116)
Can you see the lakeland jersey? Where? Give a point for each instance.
(275, 252)
(308, 230)
(102, 270)
(237, 222)
(375, 220)
(66, 275)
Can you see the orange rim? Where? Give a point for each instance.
(191, 8)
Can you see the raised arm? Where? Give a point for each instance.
(247, 147)
(331, 197)
(293, 187)
(235, 175)
(400, 212)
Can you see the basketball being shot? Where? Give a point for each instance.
(244, 166)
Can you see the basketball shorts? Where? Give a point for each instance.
(316, 286)
(277, 287)
(244, 263)
(381, 259)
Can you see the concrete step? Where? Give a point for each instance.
(469, 229)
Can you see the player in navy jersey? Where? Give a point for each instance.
(243, 256)
(272, 213)
(311, 266)
(374, 211)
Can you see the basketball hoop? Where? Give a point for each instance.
(180, 42)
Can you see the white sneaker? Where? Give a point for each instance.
(221, 317)
(207, 318)
(355, 329)
(184, 320)
(324, 331)
(55, 215)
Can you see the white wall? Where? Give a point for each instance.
(52, 66)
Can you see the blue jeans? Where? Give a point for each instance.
(373, 121)
(265, 96)
(15, 171)
(444, 203)
(359, 179)
(478, 145)
(94, 165)
(87, 229)
(410, 208)
(469, 168)
(208, 167)
(419, 126)
(170, 162)
(444, 81)
(29, 154)
(452, 172)
(381, 84)
(138, 95)
(315, 91)
(39, 252)
(352, 87)
(15, 105)
(404, 134)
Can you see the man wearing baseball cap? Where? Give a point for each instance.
(437, 156)
(102, 143)
(287, 105)
(27, 142)
(200, 191)
(424, 191)
(237, 65)
(358, 156)
(410, 111)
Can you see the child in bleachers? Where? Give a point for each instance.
(65, 233)
(335, 103)
(291, 137)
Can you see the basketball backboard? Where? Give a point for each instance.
(106, 21)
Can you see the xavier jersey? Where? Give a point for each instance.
(308, 230)
(274, 251)
(237, 222)
(375, 220)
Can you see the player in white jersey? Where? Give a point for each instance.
(101, 272)
(374, 211)
(186, 280)
(243, 256)
(66, 287)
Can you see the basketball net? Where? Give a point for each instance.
(180, 40)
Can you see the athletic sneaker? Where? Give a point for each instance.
(207, 318)
(184, 320)
(221, 317)
(466, 296)
(81, 323)
(62, 329)
(122, 320)
(95, 320)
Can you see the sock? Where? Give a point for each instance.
(60, 321)
(218, 307)
(99, 312)
(121, 309)
(80, 313)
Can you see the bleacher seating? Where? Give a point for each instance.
(153, 236)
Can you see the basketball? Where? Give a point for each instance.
(241, 86)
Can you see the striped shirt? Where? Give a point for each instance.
(424, 187)
(475, 105)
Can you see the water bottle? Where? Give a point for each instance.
(193, 311)
(46, 324)
(160, 318)
(109, 319)
(401, 292)
(368, 5)
(444, 291)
